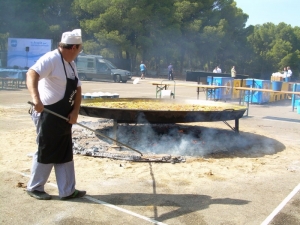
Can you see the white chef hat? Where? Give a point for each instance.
(72, 37)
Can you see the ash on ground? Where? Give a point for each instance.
(89, 143)
(166, 142)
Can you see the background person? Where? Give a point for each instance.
(53, 84)
(233, 71)
(289, 74)
(285, 74)
(219, 69)
(170, 71)
(143, 70)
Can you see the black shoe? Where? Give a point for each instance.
(40, 195)
(76, 194)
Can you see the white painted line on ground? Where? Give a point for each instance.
(123, 210)
(283, 121)
(108, 205)
(281, 205)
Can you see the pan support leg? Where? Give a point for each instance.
(236, 128)
(115, 129)
(237, 125)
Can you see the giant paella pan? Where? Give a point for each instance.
(130, 110)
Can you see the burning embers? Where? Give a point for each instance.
(160, 142)
(86, 142)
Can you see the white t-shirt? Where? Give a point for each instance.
(52, 82)
(219, 70)
(289, 73)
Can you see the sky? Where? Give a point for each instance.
(274, 11)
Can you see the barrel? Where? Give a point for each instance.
(276, 85)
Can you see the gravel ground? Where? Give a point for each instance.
(224, 179)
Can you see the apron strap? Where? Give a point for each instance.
(64, 64)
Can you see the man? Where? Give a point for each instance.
(143, 69)
(219, 69)
(215, 70)
(170, 70)
(233, 72)
(53, 84)
(289, 74)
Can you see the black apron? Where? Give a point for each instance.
(55, 138)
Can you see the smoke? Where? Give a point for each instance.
(185, 140)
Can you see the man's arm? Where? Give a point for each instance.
(32, 80)
(77, 101)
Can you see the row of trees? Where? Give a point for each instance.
(192, 34)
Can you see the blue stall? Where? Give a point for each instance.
(221, 93)
(258, 97)
(296, 98)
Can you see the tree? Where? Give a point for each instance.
(275, 47)
(189, 33)
(3, 41)
(230, 21)
(128, 29)
(36, 19)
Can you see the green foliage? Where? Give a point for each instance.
(191, 34)
(91, 47)
(3, 41)
(275, 47)
(37, 19)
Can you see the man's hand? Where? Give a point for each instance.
(74, 113)
(38, 106)
(73, 117)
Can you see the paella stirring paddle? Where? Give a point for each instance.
(62, 117)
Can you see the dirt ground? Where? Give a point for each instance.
(234, 183)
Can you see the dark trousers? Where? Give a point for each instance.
(171, 75)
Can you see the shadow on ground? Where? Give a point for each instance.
(178, 204)
(175, 205)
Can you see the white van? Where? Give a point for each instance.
(95, 67)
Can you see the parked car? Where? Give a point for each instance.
(95, 67)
